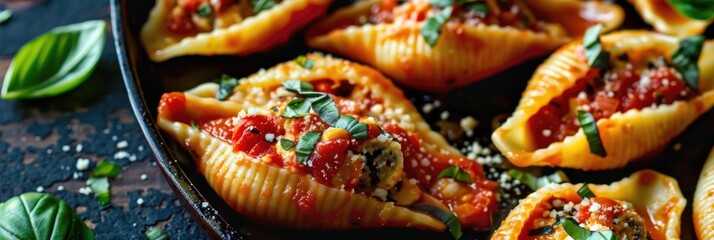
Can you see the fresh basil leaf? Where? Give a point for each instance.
(589, 126)
(456, 173)
(358, 130)
(431, 28)
(100, 187)
(304, 62)
(685, 59)
(204, 10)
(40, 216)
(695, 9)
(596, 55)
(195, 126)
(578, 233)
(480, 7)
(296, 108)
(441, 3)
(287, 144)
(297, 86)
(106, 169)
(5, 15)
(584, 192)
(55, 62)
(226, 86)
(535, 183)
(262, 5)
(155, 233)
(324, 106)
(305, 145)
(445, 217)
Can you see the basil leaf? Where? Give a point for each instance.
(589, 126)
(304, 62)
(195, 126)
(287, 144)
(597, 57)
(578, 233)
(480, 7)
(297, 86)
(585, 192)
(296, 108)
(695, 9)
(323, 105)
(155, 233)
(40, 216)
(100, 187)
(441, 3)
(226, 86)
(204, 10)
(5, 15)
(685, 59)
(535, 183)
(456, 173)
(447, 218)
(262, 5)
(106, 169)
(305, 145)
(358, 130)
(55, 62)
(431, 28)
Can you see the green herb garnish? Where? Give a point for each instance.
(445, 217)
(195, 126)
(100, 187)
(589, 126)
(40, 216)
(431, 28)
(297, 86)
(578, 233)
(304, 62)
(685, 59)
(55, 62)
(155, 233)
(535, 183)
(226, 86)
(106, 169)
(358, 130)
(262, 5)
(305, 145)
(204, 10)
(597, 57)
(384, 133)
(320, 102)
(585, 192)
(5, 15)
(480, 7)
(456, 173)
(296, 108)
(287, 144)
(695, 9)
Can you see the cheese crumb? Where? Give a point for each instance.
(78, 148)
(270, 137)
(122, 144)
(40, 189)
(140, 201)
(82, 164)
(65, 148)
(468, 124)
(143, 177)
(204, 204)
(594, 207)
(85, 190)
(547, 132)
(380, 193)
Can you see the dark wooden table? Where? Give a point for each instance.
(42, 140)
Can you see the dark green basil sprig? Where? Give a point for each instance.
(695, 9)
(226, 85)
(594, 52)
(445, 217)
(262, 5)
(589, 126)
(320, 102)
(40, 216)
(685, 59)
(305, 145)
(456, 173)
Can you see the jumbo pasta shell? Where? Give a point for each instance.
(464, 53)
(664, 18)
(655, 196)
(253, 34)
(626, 136)
(703, 205)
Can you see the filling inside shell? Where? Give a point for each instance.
(190, 17)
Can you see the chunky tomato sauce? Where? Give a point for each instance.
(605, 94)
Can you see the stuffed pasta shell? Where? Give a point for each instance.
(647, 89)
(325, 143)
(703, 205)
(665, 18)
(646, 205)
(433, 47)
(203, 27)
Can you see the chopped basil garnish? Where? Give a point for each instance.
(456, 173)
(155, 233)
(262, 5)
(296, 108)
(589, 126)
(431, 28)
(578, 233)
(106, 169)
(480, 7)
(535, 183)
(297, 86)
(686, 57)
(100, 187)
(585, 192)
(5, 15)
(195, 126)
(305, 145)
(699, 10)
(287, 144)
(204, 10)
(320, 102)
(443, 3)
(304, 62)
(597, 57)
(227, 84)
(358, 130)
(444, 216)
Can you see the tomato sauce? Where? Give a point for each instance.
(604, 95)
